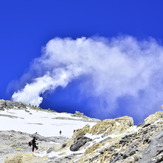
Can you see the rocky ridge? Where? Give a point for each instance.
(108, 141)
(122, 143)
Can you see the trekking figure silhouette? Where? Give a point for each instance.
(33, 144)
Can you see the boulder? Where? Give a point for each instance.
(79, 142)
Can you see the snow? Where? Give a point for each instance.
(160, 120)
(43, 122)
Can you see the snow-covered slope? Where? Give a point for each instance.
(46, 123)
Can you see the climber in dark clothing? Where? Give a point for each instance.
(34, 144)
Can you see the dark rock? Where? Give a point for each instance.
(118, 156)
(2, 105)
(146, 140)
(136, 158)
(112, 148)
(64, 145)
(79, 142)
(123, 141)
(132, 152)
(146, 125)
(102, 152)
(141, 124)
(50, 150)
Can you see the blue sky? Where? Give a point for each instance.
(29, 30)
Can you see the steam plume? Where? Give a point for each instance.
(119, 69)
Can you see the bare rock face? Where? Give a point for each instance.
(82, 131)
(154, 117)
(154, 151)
(110, 126)
(143, 144)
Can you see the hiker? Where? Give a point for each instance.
(33, 143)
(60, 132)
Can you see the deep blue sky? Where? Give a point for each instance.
(26, 26)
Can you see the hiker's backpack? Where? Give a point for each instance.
(30, 143)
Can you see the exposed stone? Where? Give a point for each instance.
(154, 117)
(110, 126)
(80, 132)
(154, 151)
(50, 150)
(79, 142)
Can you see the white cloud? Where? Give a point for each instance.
(118, 67)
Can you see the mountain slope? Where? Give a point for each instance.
(108, 141)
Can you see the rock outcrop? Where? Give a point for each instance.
(118, 141)
(154, 151)
(5, 104)
(110, 126)
(79, 142)
(154, 117)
